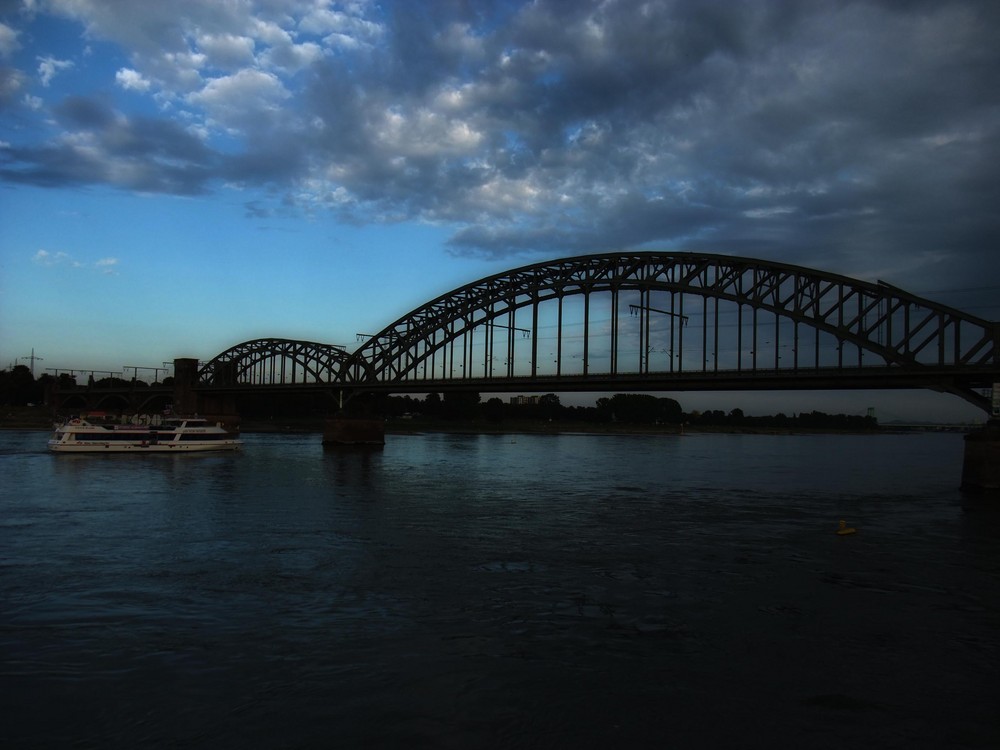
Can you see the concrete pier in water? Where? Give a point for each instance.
(353, 431)
(218, 407)
(981, 466)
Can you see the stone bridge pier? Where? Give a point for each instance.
(185, 381)
(188, 399)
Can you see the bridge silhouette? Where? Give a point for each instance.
(644, 321)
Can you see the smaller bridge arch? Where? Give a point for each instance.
(273, 361)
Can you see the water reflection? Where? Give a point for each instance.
(353, 466)
(495, 590)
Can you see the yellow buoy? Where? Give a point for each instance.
(845, 529)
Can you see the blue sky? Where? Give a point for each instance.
(176, 178)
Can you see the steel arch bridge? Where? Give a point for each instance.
(275, 361)
(649, 321)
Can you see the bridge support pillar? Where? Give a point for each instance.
(981, 466)
(185, 380)
(354, 431)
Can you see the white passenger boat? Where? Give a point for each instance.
(169, 435)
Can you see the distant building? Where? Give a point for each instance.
(524, 400)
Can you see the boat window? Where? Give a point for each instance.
(116, 437)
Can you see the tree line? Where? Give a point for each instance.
(18, 387)
(624, 408)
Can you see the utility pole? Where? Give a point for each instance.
(33, 358)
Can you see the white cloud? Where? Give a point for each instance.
(131, 80)
(45, 258)
(227, 51)
(271, 33)
(236, 100)
(48, 67)
(292, 57)
(769, 213)
(107, 266)
(32, 102)
(342, 29)
(11, 82)
(8, 41)
(178, 71)
(425, 133)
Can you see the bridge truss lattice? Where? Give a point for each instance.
(275, 361)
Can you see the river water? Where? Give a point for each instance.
(518, 591)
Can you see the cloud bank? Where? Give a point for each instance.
(854, 136)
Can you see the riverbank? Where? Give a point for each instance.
(26, 418)
(470, 427)
(416, 426)
(41, 418)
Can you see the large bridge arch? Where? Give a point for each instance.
(681, 321)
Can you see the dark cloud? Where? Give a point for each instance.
(81, 112)
(104, 147)
(11, 85)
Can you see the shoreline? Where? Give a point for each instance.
(39, 419)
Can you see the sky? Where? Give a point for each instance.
(176, 178)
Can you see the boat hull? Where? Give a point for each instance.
(178, 435)
(94, 447)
